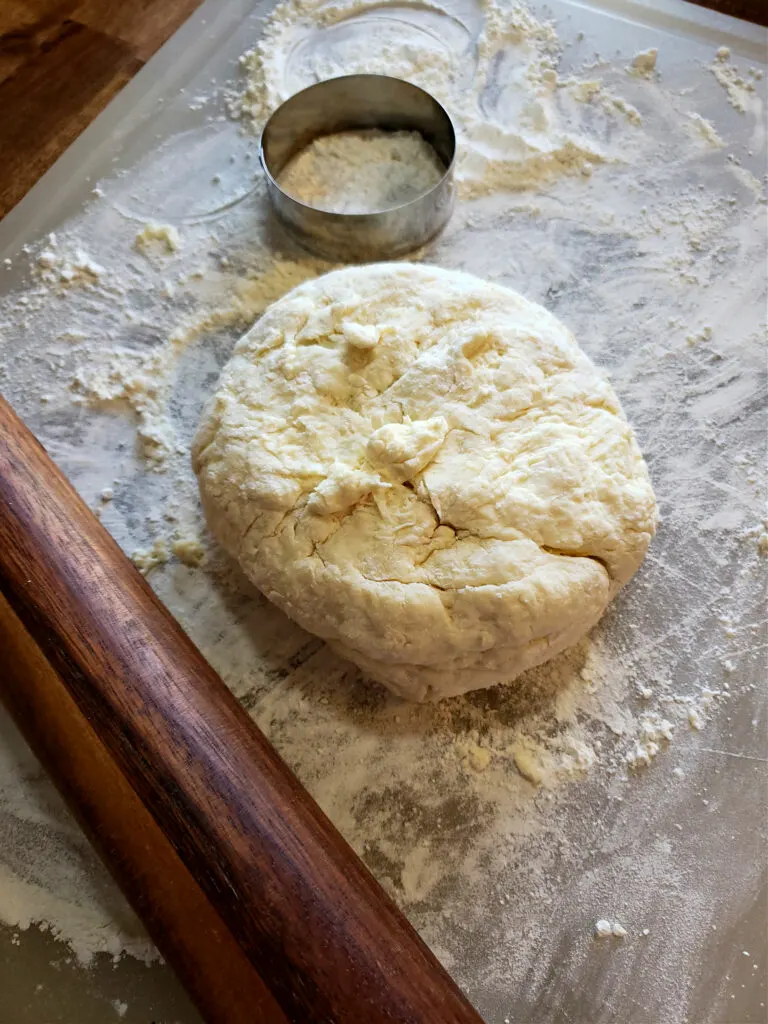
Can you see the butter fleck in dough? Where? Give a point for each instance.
(425, 470)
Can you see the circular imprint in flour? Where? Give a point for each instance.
(194, 176)
(425, 470)
(370, 41)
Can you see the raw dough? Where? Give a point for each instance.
(425, 470)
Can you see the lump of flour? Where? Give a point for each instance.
(425, 470)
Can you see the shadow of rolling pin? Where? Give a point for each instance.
(306, 928)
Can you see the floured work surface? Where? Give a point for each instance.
(585, 844)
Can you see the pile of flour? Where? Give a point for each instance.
(363, 171)
(506, 822)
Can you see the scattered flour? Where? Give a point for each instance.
(147, 559)
(60, 270)
(705, 334)
(473, 756)
(654, 733)
(593, 90)
(154, 237)
(705, 130)
(695, 719)
(605, 928)
(188, 549)
(644, 64)
(740, 90)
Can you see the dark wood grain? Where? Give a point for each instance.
(189, 933)
(328, 942)
(749, 10)
(61, 61)
(142, 25)
(49, 100)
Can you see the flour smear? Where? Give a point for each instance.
(624, 781)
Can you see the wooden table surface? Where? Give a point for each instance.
(61, 61)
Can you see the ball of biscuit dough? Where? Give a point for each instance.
(425, 470)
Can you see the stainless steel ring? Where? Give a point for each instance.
(344, 104)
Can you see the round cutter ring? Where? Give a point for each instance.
(345, 104)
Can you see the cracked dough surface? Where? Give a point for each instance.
(425, 470)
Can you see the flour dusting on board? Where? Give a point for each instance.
(508, 822)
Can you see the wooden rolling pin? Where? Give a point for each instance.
(298, 921)
(179, 917)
